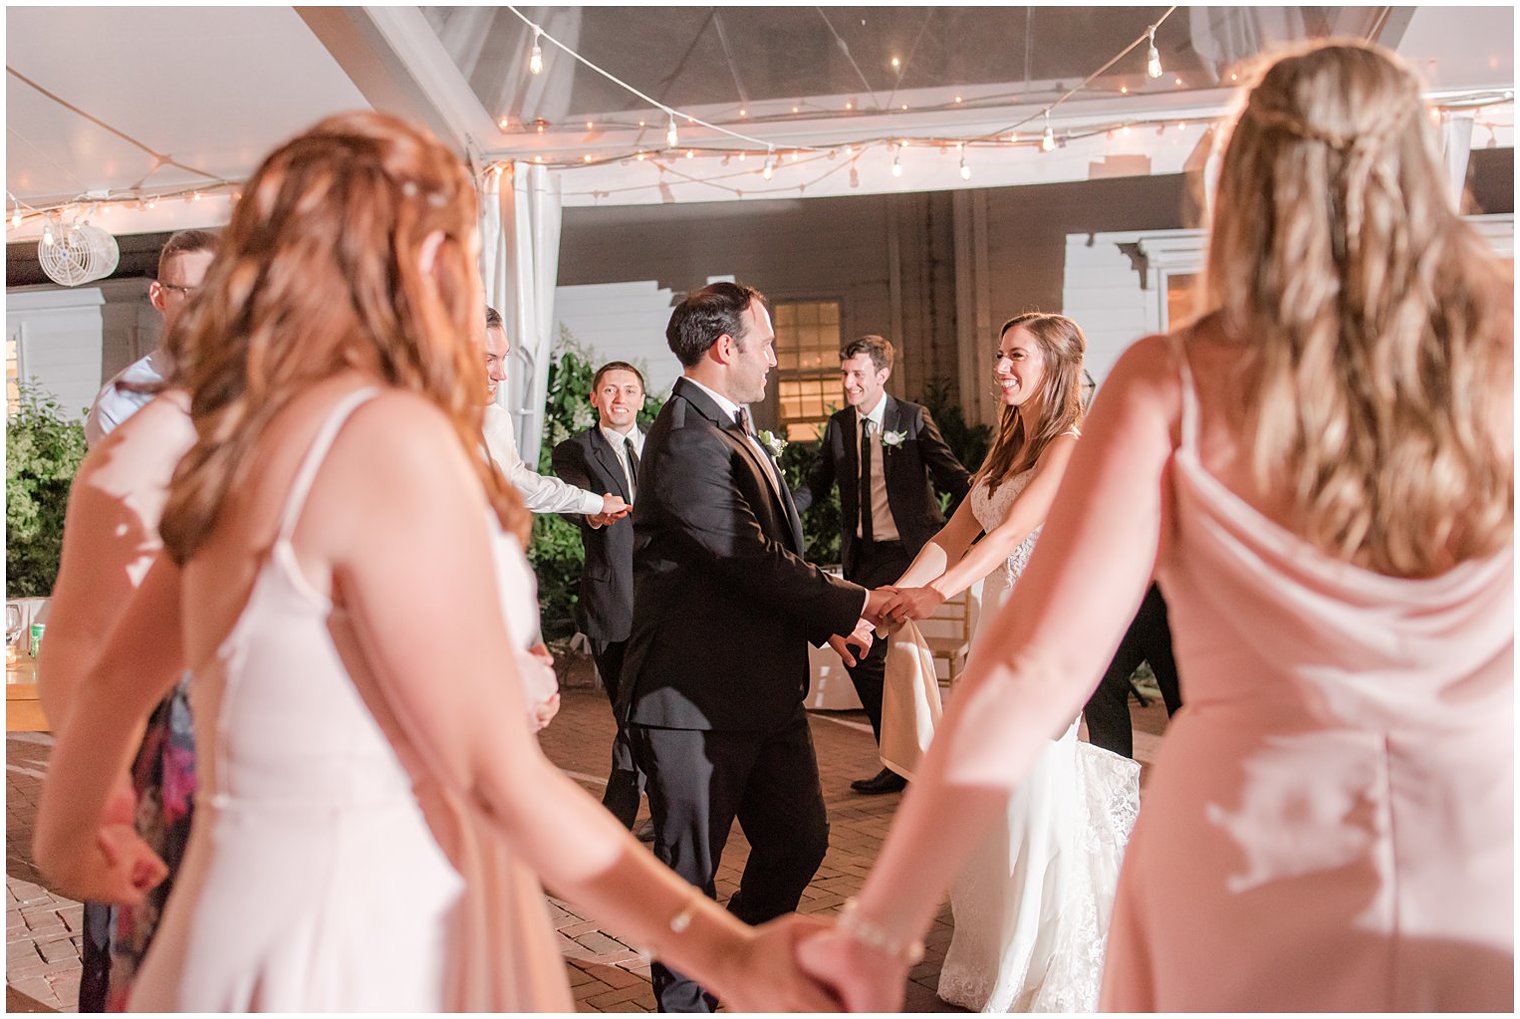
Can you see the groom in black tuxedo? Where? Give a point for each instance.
(882, 451)
(716, 667)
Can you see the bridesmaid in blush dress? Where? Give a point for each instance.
(1320, 473)
(344, 577)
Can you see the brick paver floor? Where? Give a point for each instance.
(606, 974)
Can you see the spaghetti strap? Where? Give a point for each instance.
(301, 487)
(1189, 394)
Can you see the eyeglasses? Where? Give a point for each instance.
(186, 292)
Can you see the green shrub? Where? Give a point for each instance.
(42, 452)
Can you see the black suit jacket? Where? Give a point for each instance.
(724, 605)
(923, 454)
(605, 609)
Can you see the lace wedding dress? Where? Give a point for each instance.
(1032, 904)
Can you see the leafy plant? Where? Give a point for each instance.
(42, 452)
(968, 442)
(823, 522)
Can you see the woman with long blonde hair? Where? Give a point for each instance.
(1320, 472)
(345, 577)
(1031, 902)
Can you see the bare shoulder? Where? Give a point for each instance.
(399, 431)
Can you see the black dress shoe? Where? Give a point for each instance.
(644, 831)
(885, 781)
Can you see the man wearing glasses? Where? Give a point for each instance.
(182, 266)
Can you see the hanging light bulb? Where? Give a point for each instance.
(854, 176)
(1048, 137)
(47, 235)
(768, 170)
(152, 201)
(1153, 57)
(897, 162)
(536, 57)
(672, 136)
(965, 170)
(16, 215)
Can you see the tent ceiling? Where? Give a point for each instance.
(734, 57)
(217, 87)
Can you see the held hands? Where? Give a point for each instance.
(613, 510)
(912, 603)
(766, 976)
(114, 865)
(542, 691)
(862, 979)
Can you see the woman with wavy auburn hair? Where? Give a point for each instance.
(1320, 473)
(345, 576)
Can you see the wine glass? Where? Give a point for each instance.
(13, 628)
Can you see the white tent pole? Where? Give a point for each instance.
(520, 254)
(1456, 147)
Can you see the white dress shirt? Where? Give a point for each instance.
(113, 406)
(617, 440)
(882, 524)
(541, 494)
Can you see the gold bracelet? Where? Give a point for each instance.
(876, 938)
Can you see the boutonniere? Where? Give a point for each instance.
(772, 442)
(893, 440)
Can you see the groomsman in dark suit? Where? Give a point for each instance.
(724, 605)
(882, 451)
(605, 459)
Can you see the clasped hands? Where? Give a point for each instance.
(613, 510)
(886, 609)
(810, 964)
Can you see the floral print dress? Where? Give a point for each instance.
(163, 777)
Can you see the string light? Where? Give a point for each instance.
(672, 136)
(536, 57)
(1048, 138)
(1153, 57)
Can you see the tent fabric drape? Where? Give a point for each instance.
(520, 253)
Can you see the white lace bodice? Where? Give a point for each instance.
(992, 508)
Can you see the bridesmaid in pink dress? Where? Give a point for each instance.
(1320, 474)
(344, 578)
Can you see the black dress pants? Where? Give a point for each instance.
(95, 957)
(1148, 639)
(874, 563)
(624, 783)
(699, 783)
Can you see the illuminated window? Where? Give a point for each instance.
(1181, 297)
(807, 365)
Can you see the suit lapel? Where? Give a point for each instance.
(608, 458)
(891, 421)
(771, 482)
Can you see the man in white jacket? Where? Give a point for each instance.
(541, 494)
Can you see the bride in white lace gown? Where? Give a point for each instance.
(1032, 905)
